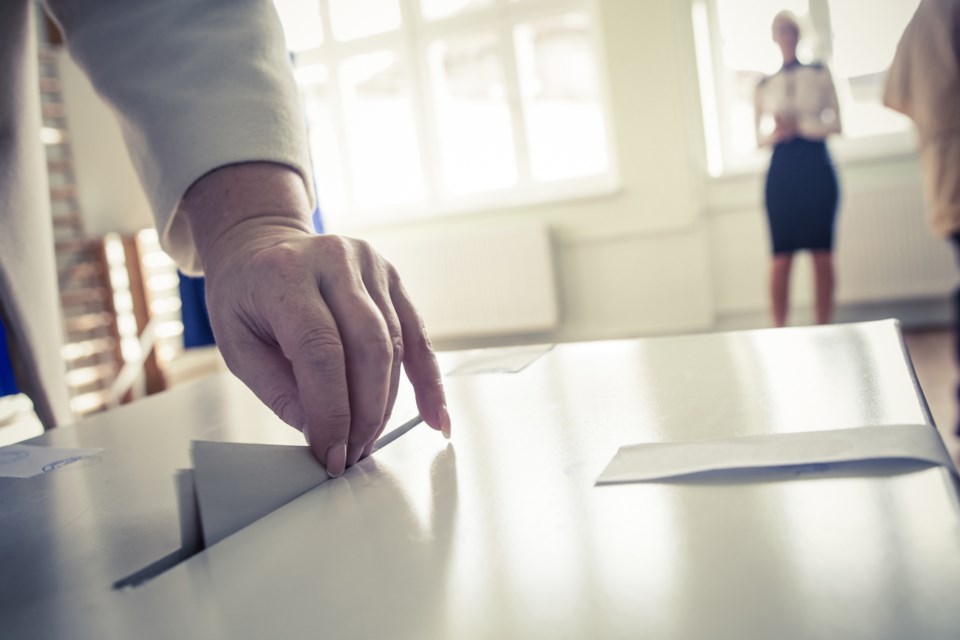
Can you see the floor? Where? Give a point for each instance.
(932, 355)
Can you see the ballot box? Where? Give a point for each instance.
(503, 532)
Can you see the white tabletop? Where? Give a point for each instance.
(502, 533)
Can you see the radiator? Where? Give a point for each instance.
(885, 250)
(477, 283)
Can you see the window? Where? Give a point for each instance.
(423, 107)
(856, 38)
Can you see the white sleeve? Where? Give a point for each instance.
(196, 85)
(827, 120)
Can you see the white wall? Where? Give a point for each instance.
(635, 262)
(677, 251)
(672, 251)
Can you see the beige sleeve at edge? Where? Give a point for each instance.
(196, 85)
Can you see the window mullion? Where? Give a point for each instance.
(721, 83)
(533, 10)
(511, 75)
(337, 111)
(820, 17)
(476, 20)
(602, 67)
(824, 52)
(417, 64)
(376, 42)
(707, 84)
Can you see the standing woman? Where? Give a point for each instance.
(801, 189)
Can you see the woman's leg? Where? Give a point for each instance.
(780, 287)
(824, 282)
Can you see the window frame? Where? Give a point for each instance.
(716, 102)
(412, 43)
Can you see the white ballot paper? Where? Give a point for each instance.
(236, 484)
(27, 460)
(660, 461)
(499, 360)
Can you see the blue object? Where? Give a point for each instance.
(196, 320)
(8, 382)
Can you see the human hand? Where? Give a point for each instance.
(786, 128)
(316, 326)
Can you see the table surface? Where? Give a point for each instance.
(502, 533)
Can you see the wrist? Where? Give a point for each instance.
(240, 209)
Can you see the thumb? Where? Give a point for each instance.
(269, 375)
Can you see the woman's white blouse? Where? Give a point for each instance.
(803, 92)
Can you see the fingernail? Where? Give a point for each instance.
(444, 420)
(337, 459)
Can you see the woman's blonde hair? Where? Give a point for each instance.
(787, 17)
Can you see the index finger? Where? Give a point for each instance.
(419, 361)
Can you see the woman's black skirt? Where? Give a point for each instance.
(801, 195)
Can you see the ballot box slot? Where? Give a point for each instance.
(202, 528)
(154, 569)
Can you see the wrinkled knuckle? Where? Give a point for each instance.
(421, 341)
(370, 260)
(367, 429)
(377, 350)
(363, 246)
(397, 343)
(337, 248)
(393, 276)
(321, 345)
(337, 421)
